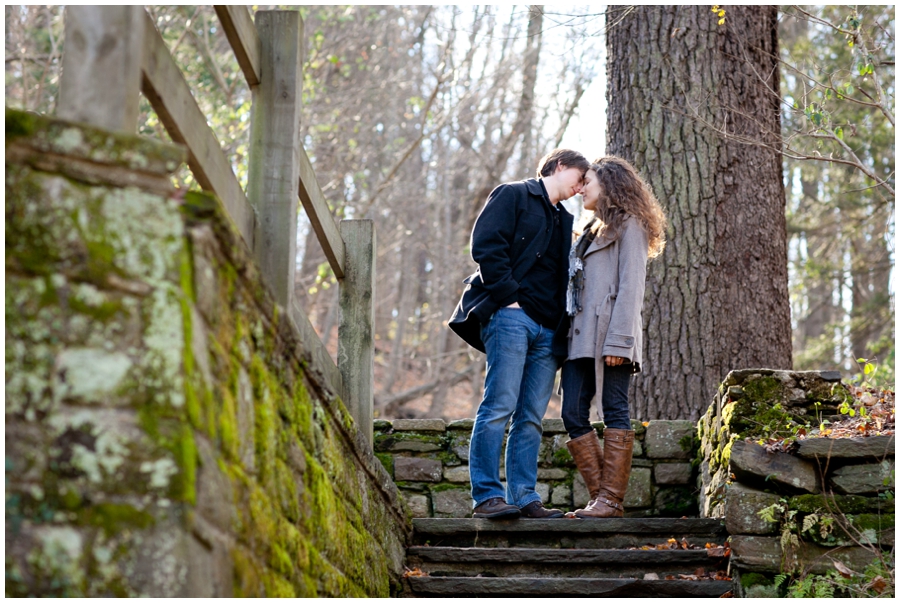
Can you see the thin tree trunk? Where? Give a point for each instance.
(717, 299)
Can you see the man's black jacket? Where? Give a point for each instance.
(510, 235)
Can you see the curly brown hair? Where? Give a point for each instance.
(625, 193)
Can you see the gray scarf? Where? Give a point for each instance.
(576, 269)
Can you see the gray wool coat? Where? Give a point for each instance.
(610, 323)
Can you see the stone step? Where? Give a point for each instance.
(562, 563)
(616, 533)
(584, 587)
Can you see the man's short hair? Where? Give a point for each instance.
(566, 157)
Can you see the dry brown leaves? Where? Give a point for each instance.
(414, 573)
(712, 549)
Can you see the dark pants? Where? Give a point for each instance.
(579, 387)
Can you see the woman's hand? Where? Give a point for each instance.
(614, 360)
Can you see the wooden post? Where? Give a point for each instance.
(356, 340)
(274, 172)
(101, 76)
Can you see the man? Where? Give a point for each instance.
(511, 308)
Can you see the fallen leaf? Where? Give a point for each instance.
(878, 584)
(670, 577)
(727, 595)
(651, 577)
(685, 544)
(645, 423)
(845, 571)
(415, 572)
(716, 552)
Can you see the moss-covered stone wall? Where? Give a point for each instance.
(166, 431)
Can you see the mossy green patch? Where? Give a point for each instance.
(113, 518)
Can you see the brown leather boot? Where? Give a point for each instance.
(618, 444)
(588, 454)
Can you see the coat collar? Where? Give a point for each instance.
(602, 242)
(534, 187)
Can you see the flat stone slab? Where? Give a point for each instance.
(419, 425)
(876, 447)
(457, 475)
(640, 489)
(761, 553)
(409, 469)
(413, 446)
(750, 460)
(666, 439)
(648, 525)
(863, 479)
(466, 424)
(452, 503)
(549, 426)
(441, 554)
(417, 503)
(596, 587)
(742, 507)
(672, 473)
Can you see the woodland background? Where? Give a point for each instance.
(413, 114)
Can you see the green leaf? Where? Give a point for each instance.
(869, 368)
(839, 132)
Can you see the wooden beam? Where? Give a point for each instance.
(312, 343)
(320, 216)
(101, 76)
(356, 341)
(274, 174)
(165, 87)
(237, 23)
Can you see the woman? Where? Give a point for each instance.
(608, 266)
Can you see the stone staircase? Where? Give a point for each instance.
(564, 557)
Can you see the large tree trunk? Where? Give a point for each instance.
(717, 299)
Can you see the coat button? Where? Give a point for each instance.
(539, 254)
(577, 332)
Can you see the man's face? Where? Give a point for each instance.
(571, 181)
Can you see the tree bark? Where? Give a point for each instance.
(717, 299)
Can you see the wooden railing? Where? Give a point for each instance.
(119, 52)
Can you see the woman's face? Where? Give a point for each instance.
(591, 191)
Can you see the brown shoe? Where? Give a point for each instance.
(495, 508)
(618, 444)
(588, 454)
(536, 510)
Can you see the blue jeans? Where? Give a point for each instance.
(518, 383)
(579, 386)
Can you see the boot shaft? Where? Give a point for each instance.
(618, 445)
(588, 455)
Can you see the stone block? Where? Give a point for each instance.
(452, 503)
(214, 490)
(543, 490)
(639, 492)
(410, 469)
(413, 446)
(561, 495)
(672, 473)
(417, 504)
(553, 426)
(580, 494)
(742, 507)
(763, 554)
(459, 445)
(552, 473)
(751, 462)
(457, 475)
(675, 501)
(863, 479)
(875, 447)
(463, 424)
(381, 425)
(638, 449)
(667, 439)
(419, 425)
(638, 427)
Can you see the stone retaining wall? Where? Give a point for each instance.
(842, 489)
(167, 433)
(428, 460)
